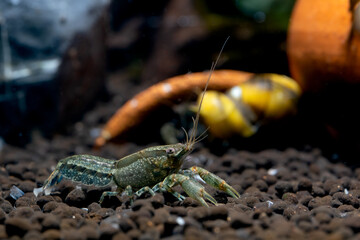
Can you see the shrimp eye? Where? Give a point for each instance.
(170, 150)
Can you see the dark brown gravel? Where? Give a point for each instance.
(284, 194)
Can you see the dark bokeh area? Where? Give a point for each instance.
(135, 44)
(193, 31)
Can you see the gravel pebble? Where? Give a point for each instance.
(42, 200)
(283, 187)
(240, 220)
(76, 198)
(2, 216)
(22, 212)
(51, 234)
(51, 222)
(17, 226)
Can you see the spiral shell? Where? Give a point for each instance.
(250, 104)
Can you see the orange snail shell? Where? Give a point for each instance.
(324, 43)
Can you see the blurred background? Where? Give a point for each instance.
(61, 60)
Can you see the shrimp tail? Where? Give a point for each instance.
(54, 178)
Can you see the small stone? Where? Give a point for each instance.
(93, 207)
(240, 220)
(316, 234)
(198, 213)
(90, 232)
(261, 185)
(76, 198)
(354, 185)
(17, 226)
(107, 231)
(353, 223)
(348, 199)
(68, 223)
(331, 183)
(216, 226)
(29, 176)
(33, 235)
(189, 202)
(51, 234)
(261, 208)
(294, 210)
(241, 208)
(227, 234)
(64, 188)
(41, 201)
(306, 226)
(126, 224)
(318, 191)
(134, 234)
(121, 236)
(343, 233)
(2, 216)
(24, 202)
(251, 190)
(290, 198)
(325, 209)
(333, 225)
(105, 212)
(319, 201)
(37, 217)
(161, 215)
(22, 212)
(194, 233)
(180, 211)
(27, 186)
(139, 203)
(279, 206)
(303, 197)
(36, 208)
(250, 201)
(51, 222)
(157, 201)
(283, 187)
(50, 206)
(16, 170)
(335, 203)
(3, 234)
(146, 211)
(346, 208)
(64, 211)
(269, 179)
(336, 188)
(304, 184)
(72, 234)
(323, 218)
(6, 206)
(218, 212)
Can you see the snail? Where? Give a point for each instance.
(245, 107)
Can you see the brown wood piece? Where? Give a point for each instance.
(136, 109)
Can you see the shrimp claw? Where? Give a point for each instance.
(215, 181)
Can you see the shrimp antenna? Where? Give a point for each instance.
(192, 137)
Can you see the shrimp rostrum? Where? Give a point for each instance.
(154, 169)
